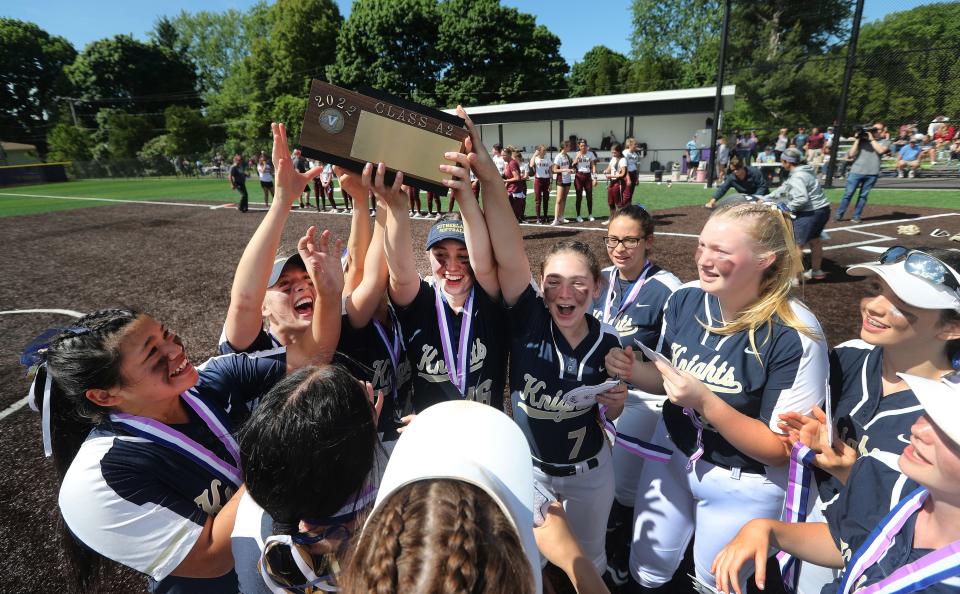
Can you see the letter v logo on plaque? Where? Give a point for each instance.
(350, 129)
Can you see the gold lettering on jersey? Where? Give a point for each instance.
(210, 501)
(539, 405)
(716, 374)
(382, 378)
(432, 367)
(624, 325)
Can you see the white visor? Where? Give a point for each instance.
(940, 400)
(912, 289)
(474, 443)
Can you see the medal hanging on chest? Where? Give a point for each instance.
(628, 298)
(394, 347)
(456, 359)
(930, 569)
(164, 435)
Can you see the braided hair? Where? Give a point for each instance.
(438, 535)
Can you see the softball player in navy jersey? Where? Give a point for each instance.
(281, 291)
(742, 352)
(142, 443)
(541, 182)
(915, 546)
(633, 294)
(453, 324)
(556, 346)
(562, 167)
(911, 324)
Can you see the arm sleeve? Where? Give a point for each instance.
(527, 308)
(151, 533)
(723, 189)
(670, 314)
(797, 377)
(242, 377)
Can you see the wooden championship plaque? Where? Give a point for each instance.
(351, 129)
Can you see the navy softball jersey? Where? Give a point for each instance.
(143, 504)
(543, 367)
(488, 349)
(791, 377)
(366, 356)
(859, 509)
(641, 321)
(875, 425)
(264, 341)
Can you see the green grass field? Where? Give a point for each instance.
(43, 198)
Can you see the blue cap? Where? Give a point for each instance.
(445, 229)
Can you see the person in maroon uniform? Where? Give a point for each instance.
(515, 187)
(414, 195)
(585, 165)
(541, 181)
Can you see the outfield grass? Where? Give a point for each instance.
(18, 201)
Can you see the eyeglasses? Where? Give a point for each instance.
(922, 265)
(628, 242)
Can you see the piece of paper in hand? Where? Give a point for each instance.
(654, 355)
(587, 395)
(542, 498)
(827, 409)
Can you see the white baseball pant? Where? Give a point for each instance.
(639, 418)
(673, 503)
(586, 499)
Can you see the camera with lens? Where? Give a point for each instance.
(864, 132)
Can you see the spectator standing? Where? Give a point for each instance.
(783, 141)
(814, 148)
(265, 171)
(868, 147)
(723, 156)
(909, 156)
(300, 164)
(238, 181)
(743, 179)
(752, 143)
(800, 140)
(693, 158)
(743, 148)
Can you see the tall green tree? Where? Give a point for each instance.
(186, 130)
(496, 54)
(216, 42)
(389, 45)
(165, 34)
(124, 73)
(67, 142)
(30, 80)
(908, 65)
(120, 135)
(601, 72)
(302, 42)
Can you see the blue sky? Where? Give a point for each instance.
(603, 23)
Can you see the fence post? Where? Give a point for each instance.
(842, 109)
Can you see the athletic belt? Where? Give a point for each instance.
(567, 469)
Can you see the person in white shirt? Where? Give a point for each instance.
(616, 173)
(562, 166)
(541, 182)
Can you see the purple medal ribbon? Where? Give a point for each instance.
(457, 362)
(394, 347)
(163, 434)
(932, 568)
(629, 298)
(637, 447)
(798, 496)
(699, 427)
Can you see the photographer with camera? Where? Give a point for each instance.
(869, 146)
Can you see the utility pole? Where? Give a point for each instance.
(73, 111)
(844, 91)
(718, 100)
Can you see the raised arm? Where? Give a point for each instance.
(512, 266)
(475, 231)
(362, 303)
(360, 234)
(322, 262)
(404, 282)
(244, 317)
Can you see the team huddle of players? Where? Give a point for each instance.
(654, 411)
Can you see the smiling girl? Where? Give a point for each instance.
(910, 323)
(453, 324)
(909, 548)
(557, 346)
(741, 352)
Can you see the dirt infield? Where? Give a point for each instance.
(177, 263)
